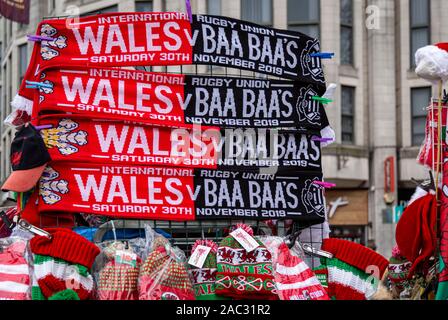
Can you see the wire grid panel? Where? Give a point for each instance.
(184, 234)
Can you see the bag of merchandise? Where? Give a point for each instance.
(15, 269)
(163, 275)
(118, 265)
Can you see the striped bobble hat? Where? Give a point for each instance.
(62, 266)
(204, 278)
(354, 271)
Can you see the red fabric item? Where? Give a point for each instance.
(14, 272)
(428, 151)
(131, 43)
(118, 281)
(253, 281)
(51, 285)
(294, 279)
(120, 94)
(416, 232)
(82, 139)
(355, 254)
(66, 245)
(32, 215)
(443, 275)
(344, 293)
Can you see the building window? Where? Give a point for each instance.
(348, 114)
(420, 26)
(347, 32)
(110, 9)
(23, 61)
(257, 11)
(214, 7)
(143, 6)
(420, 98)
(304, 16)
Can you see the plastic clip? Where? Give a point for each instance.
(316, 138)
(321, 100)
(326, 185)
(322, 55)
(190, 15)
(33, 229)
(36, 38)
(37, 85)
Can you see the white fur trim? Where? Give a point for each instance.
(327, 132)
(432, 63)
(21, 103)
(419, 193)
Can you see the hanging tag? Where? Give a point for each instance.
(199, 255)
(126, 257)
(245, 239)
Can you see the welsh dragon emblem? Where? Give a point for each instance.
(50, 188)
(65, 137)
(48, 48)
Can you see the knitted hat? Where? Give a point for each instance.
(118, 280)
(15, 281)
(416, 232)
(62, 266)
(294, 280)
(162, 277)
(398, 272)
(321, 273)
(204, 278)
(242, 274)
(350, 270)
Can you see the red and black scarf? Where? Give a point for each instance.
(174, 100)
(81, 139)
(163, 193)
(168, 38)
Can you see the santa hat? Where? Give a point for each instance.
(432, 62)
(349, 271)
(62, 266)
(163, 277)
(243, 274)
(294, 279)
(416, 232)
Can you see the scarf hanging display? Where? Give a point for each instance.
(442, 291)
(169, 38)
(161, 193)
(171, 99)
(429, 149)
(80, 139)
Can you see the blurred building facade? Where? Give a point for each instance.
(378, 113)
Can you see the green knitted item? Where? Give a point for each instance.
(204, 278)
(56, 274)
(67, 294)
(242, 274)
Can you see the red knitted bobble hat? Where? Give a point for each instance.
(66, 245)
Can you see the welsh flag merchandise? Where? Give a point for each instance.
(62, 266)
(169, 39)
(175, 100)
(242, 274)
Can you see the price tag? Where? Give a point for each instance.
(199, 255)
(245, 239)
(126, 257)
